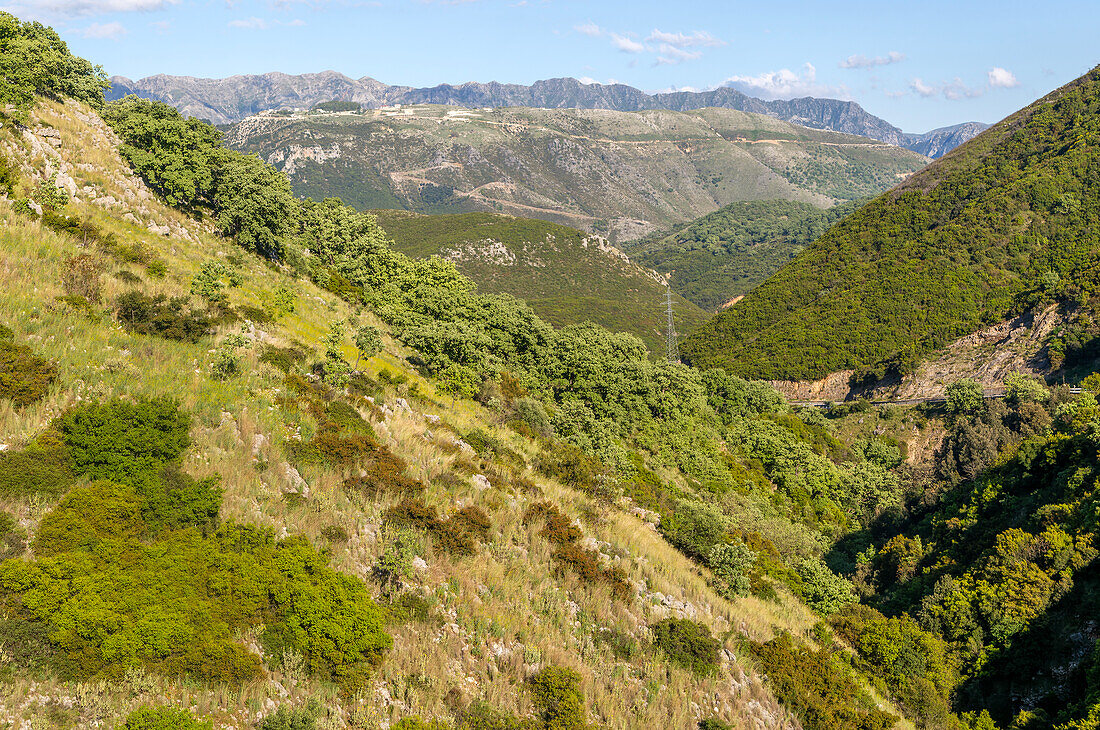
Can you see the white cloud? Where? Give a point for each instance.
(252, 23)
(861, 61)
(587, 80)
(89, 7)
(589, 29)
(951, 90)
(626, 45)
(112, 31)
(922, 89)
(1000, 78)
(786, 84)
(699, 38)
(672, 54)
(255, 23)
(161, 26)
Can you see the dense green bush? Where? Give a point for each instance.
(732, 565)
(818, 690)
(24, 376)
(292, 718)
(42, 467)
(132, 570)
(558, 700)
(164, 718)
(687, 643)
(161, 316)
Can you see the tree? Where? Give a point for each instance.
(254, 203)
(368, 340)
(964, 397)
(336, 368)
(1022, 389)
(34, 61)
(211, 280)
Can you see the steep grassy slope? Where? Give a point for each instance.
(616, 173)
(998, 224)
(566, 276)
(481, 625)
(725, 254)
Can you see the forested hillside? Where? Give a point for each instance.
(727, 253)
(567, 276)
(999, 225)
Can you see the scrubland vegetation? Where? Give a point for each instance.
(265, 471)
(995, 228)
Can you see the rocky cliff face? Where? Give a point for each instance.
(939, 142)
(224, 101)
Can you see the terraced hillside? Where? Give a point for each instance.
(620, 174)
(565, 275)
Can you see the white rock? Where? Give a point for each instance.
(432, 419)
(480, 482)
(419, 564)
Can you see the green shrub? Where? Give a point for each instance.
(161, 317)
(558, 700)
(695, 527)
(164, 718)
(713, 724)
(822, 590)
(125, 442)
(687, 643)
(292, 718)
(731, 564)
(283, 358)
(818, 690)
(480, 716)
(24, 376)
(457, 535)
(40, 468)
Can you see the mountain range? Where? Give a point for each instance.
(621, 175)
(223, 101)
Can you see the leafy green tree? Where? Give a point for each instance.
(34, 61)
(175, 156)
(368, 340)
(254, 204)
(823, 590)
(1022, 389)
(964, 397)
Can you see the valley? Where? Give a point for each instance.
(362, 419)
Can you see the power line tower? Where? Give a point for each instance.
(672, 350)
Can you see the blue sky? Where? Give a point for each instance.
(918, 65)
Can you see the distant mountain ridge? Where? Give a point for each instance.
(228, 100)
